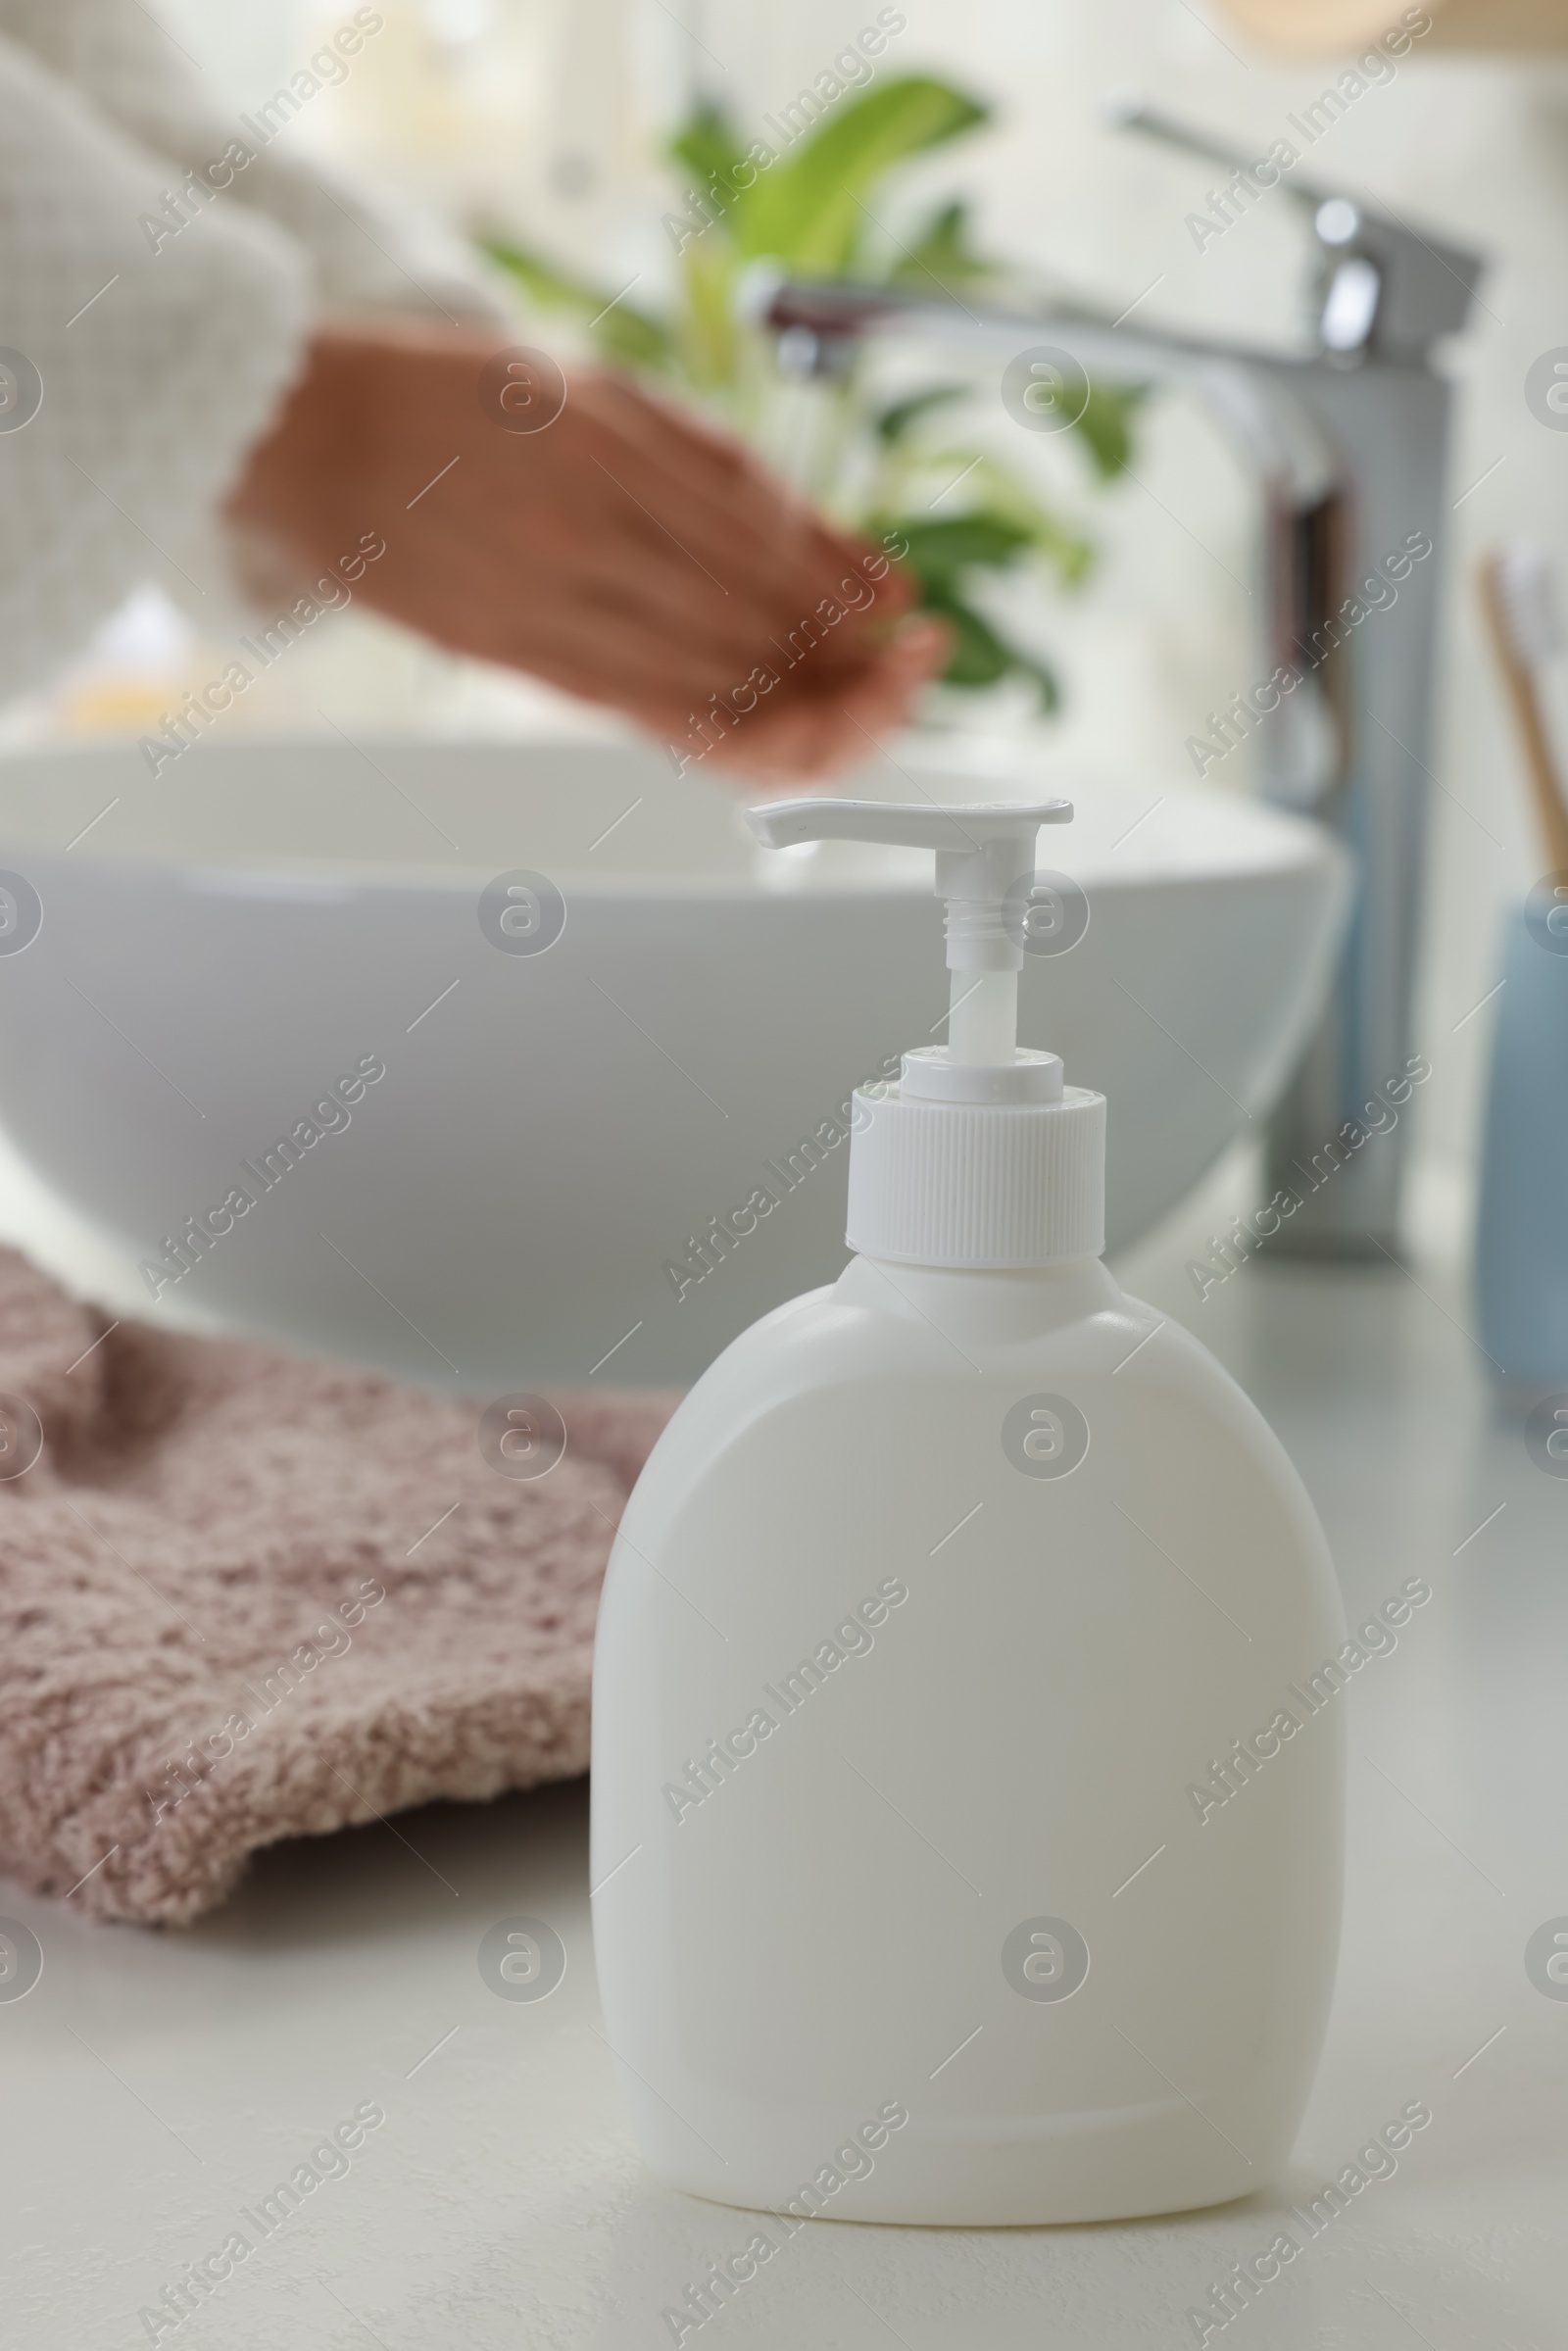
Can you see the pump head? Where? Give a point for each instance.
(980, 1156)
(985, 861)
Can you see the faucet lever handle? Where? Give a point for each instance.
(1379, 280)
(1127, 113)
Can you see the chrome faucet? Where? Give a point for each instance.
(1347, 442)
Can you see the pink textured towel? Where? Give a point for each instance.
(246, 1596)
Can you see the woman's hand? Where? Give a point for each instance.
(622, 550)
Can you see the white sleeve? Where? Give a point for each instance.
(156, 369)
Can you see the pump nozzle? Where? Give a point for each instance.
(981, 1155)
(985, 860)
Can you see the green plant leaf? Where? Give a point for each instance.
(541, 278)
(633, 336)
(705, 326)
(941, 254)
(708, 142)
(939, 551)
(1044, 676)
(999, 492)
(805, 209)
(894, 423)
(940, 554)
(1068, 550)
(980, 655)
(1106, 425)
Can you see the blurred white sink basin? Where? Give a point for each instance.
(226, 942)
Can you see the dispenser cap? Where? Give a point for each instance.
(981, 1157)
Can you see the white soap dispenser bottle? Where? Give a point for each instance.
(967, 1792)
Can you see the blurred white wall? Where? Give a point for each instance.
(548, 111)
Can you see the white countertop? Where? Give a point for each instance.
(153, 2085)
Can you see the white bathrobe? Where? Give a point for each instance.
(162, 348)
